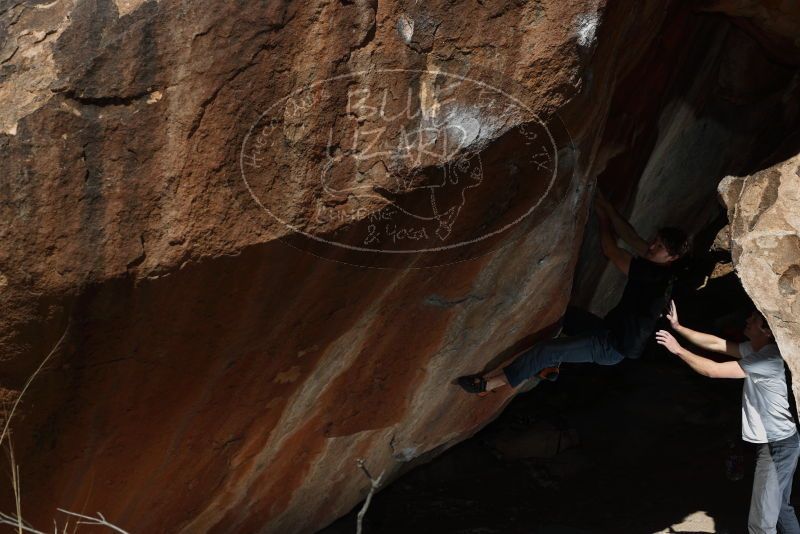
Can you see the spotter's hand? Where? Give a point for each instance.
(672, 315)
(668, 340)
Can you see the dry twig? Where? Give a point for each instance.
(375, 483)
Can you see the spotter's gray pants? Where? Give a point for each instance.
(770, 511)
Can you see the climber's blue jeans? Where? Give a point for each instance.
(590, 344)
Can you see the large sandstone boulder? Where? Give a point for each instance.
(215, 375)
(764, 237)
(229, 352)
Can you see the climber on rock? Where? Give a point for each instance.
(766, 417)
(625, 330)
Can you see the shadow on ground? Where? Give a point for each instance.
(636, 448)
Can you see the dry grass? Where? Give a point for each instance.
(16, 520)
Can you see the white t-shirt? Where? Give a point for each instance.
(765, 405)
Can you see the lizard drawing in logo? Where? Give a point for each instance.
(432, 194)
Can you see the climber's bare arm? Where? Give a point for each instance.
(621, 227)
(608, 241)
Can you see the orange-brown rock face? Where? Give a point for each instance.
(764, 233)
(278, 231)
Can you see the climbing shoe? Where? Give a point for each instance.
(549, 373)
(473, 384)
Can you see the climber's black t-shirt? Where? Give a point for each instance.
(644, 299)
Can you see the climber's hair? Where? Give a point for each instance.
(676, 241)
(764, 324)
